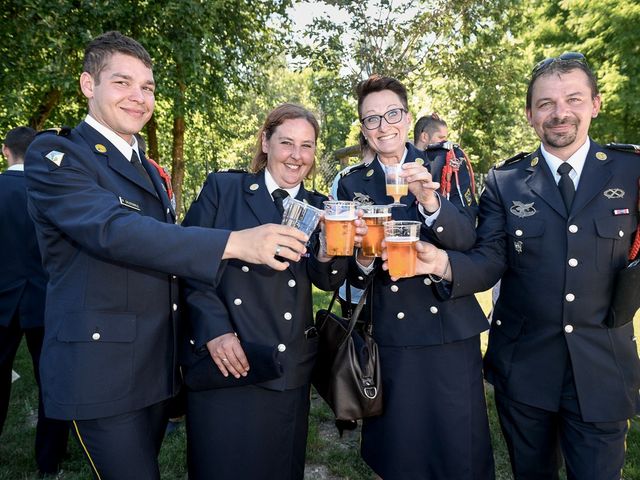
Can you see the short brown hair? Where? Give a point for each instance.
(275, 118)
(378, 83)
(101, 48)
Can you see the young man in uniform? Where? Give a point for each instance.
(107, 232)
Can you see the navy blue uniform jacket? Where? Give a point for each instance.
(559, 273)
(410, 311)
(261, 305)
(112, 252)
(23, 281)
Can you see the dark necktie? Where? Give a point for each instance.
(278, 196)
(135, 161)
(566, 186)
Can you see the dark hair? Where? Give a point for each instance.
(275, 118)
(378, 83)
(558, 66)
(364, 145)
(101, 48)
(18, 139)
(430, 124)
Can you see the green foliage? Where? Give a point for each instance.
(606, 31)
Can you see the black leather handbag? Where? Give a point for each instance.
(347, 370)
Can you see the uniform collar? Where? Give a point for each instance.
(117, 141)
(16, 167)
(576, 161)
(402, 160)
(271, 185)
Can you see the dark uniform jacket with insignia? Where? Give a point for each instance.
(558, 273)
(22, 280)
(410, 311)
(111, 249)
(261, 305)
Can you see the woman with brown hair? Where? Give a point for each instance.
(257, 431)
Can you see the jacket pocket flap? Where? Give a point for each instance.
(509, 325)
(612, 227)
(98, 327)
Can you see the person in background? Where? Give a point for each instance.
(111, 248)
(434, 424)
(22, 297)
(258, 431)
(557, 225)
(429, 129)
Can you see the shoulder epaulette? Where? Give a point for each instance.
(231, 170)
(60, 131)
(354, 168)
(317, 193)
(624, 147)
(511, 160)
(442, 145)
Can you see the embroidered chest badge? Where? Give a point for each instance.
(613, 193)
(362, 199)
(522, 210)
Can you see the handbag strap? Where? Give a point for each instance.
(356, 312)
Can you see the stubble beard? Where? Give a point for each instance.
(560, 140)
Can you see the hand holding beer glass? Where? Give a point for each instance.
(400, 238)
(374, 217)
(397, 185)
(340, 227)
(430, 260)
(301, 215)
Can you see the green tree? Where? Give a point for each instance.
(606, 31)
(456, 57)
(202, 50)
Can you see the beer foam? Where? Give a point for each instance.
(400, 239)
(347, 216)
(377, 215)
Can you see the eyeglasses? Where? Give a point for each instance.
(374, 121)
(544, 64)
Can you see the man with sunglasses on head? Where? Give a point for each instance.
(557, 225)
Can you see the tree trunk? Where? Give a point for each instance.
(152, 139)
(49, 102)
(177, 160)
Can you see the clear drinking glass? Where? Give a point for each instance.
(340, 227)
(401, 238)
(397, 186)
(374, 217)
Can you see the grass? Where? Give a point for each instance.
(339, 456)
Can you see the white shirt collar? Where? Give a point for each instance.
(117, 141)
(404, 157)
(272, 185)
(16, 167)
(576, 161)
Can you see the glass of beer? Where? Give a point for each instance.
(340, 228)
(401, 238)
(397, 186)
(300, 215)
(374, 217)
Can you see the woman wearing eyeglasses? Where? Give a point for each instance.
(434, 424)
